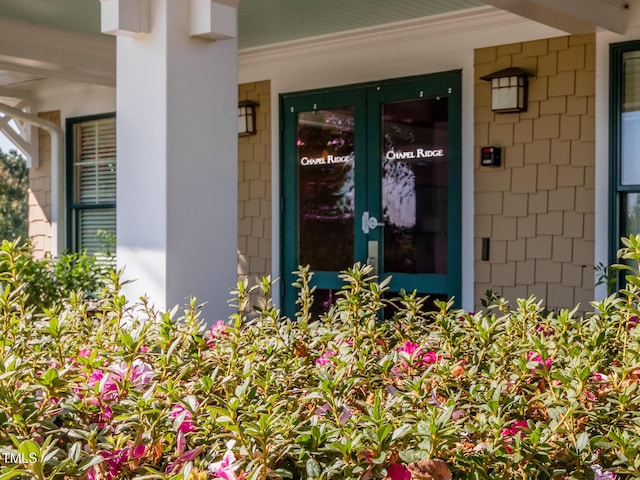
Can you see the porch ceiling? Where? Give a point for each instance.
(61, 39)
(261, 22)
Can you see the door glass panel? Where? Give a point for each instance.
(326, 163)
(415, 185)
(631, 214)
(323, 300)
(630, 127)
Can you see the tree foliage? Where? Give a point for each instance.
(14, 182)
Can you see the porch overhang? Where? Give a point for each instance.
(50, 53)
(573, 17)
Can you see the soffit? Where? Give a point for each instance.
(261, 22)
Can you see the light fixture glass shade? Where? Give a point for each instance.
(508, 90)
(506, 99)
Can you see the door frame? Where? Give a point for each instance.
(439, 84)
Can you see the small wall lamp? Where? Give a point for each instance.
(509, 88)
(247, 117)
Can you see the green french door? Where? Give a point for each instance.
(372, 173)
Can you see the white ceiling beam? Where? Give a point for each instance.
(56, 54)
(572, 16)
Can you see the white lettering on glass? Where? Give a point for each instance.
(418, 153)
(330, 159)
(312, 161)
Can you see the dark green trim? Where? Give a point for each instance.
(70, 206)
(93, 206)
(435, 77)
(447, 84)
(290, 106)
(368, 98)
(616, 188)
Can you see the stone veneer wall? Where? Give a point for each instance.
(39, 195)
(254, 188)
(538, 207)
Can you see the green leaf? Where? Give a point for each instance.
(223, 420)
(29, 449)
(283, 472)
(12, 473)
(90, 462)
(582, 440)
(402, 431)
(412, 456)
(313, 469)
(50, 376)
(379, 460)
(383, 432)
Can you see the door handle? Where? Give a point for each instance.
(369, 223)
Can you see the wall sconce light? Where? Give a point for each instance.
(509, 88)
(247, 117)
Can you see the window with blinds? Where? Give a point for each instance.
(625, 145)
(630, 119)
(92, 184)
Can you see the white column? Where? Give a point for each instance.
(177, 158)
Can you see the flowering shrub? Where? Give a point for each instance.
(123, 392)
(46, 280)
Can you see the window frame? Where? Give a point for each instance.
(72, 208)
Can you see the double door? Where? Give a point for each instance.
(371, 173)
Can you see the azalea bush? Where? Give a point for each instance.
(123, 391)
(46, 281)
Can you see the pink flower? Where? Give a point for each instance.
(345, 415)
(107, 387)
(599, 377)
(600, 474)
(226, 468)
(95, 377)
(181, 443)
(409, 348)
(345, 412)
(85, 353)
(184, 458)
(325, 359)
(546, 331)
(323, 409)
(457, 414)
(396, 471)
(535, 357)
(515, 428)
(217, 330)
(138, 451)
(186, 424)
(430, 357)
(106, 413)
(140, 373)
(113, 463)
(414, 351)
(183, 416)
(511, 431)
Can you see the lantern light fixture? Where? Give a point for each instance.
(247, 117)
(509, 89)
